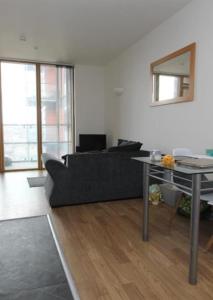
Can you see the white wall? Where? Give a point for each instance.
(89, 99)
(164, 127)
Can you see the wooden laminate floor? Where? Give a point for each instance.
(17, 199)
(103, 246)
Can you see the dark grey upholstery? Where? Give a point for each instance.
(91, 177)
(124, 145)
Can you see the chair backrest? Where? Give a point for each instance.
(177, 152)
(181, 152)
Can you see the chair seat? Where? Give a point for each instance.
(208, 198)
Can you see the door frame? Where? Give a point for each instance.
(1, 130)
(39, 117)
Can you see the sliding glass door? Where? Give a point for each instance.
(19, 115)
(36, 113)
(56, 110)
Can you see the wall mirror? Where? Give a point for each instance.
(173, 77)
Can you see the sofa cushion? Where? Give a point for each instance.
(126, 146)
(121, 141)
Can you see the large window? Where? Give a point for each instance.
(36, 113)
(56, 108)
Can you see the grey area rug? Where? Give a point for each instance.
(36, 181)
(30, 266)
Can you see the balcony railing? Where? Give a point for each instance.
(20, 142)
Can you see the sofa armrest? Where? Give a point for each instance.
(57, 170)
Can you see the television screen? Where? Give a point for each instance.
(89, 142)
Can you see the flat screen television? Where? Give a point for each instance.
(90, 142)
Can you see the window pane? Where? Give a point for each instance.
(19, 115)
(19, 107)
(56, 109)
(168, 87)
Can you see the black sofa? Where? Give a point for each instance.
(92, 177)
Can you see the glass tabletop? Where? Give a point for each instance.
(177, 168)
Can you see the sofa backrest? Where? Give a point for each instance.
(106, 165)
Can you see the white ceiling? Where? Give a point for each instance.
(78, 31)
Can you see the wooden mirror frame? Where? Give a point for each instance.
(190, 48)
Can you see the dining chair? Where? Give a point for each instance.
(209, 245)
(205, 197)
(182, 152)
(209, 199)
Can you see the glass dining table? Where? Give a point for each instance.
(189, 180)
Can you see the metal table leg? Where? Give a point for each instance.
(145, 202)
(194, 230)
